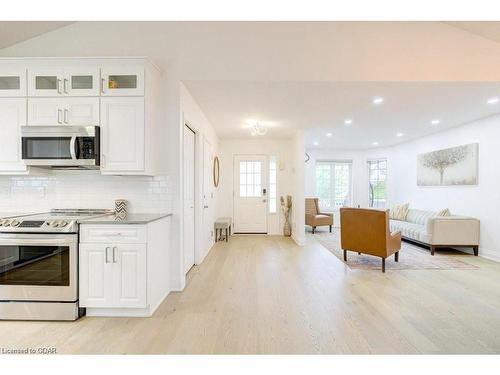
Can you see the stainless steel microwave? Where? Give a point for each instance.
(61, 146)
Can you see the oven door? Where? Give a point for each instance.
(38, 267)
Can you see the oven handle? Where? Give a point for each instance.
(36, 241)
(72, 149)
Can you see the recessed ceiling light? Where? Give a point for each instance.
(329, 134)
(435, 122)
(375, 143)
(494, 100)
(348, 121)
(399, 134)
(315, 143)
(378, 100)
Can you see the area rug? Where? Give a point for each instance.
(411, 257)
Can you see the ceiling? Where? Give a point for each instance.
(322, 107)
(13, 32)
(486, 29)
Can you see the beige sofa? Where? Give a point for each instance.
(438, 231)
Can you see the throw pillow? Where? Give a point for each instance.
(399, 211)
(443, 212)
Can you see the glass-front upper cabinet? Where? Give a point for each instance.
(12, 82)
(70, 81)
(120, 81)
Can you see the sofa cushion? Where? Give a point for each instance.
(419, 216)
(443, 212)
(410, 230)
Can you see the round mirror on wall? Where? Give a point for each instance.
(216, 171)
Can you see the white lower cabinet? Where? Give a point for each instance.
(124, 268)
(113, 275)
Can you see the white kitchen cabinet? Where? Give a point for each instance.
(124, 268)
(96, 275)
(12, 82)
(122, 135)
(113, 275)
(122, 81)
(12, 117)
(63, 111)
(63, 81)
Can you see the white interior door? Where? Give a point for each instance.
(208, 196)
(250, 194)
(189, 194)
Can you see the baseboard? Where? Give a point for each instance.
(300, 242)
(488, 254)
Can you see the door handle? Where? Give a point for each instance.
(205, 206)
(103, 82)
(107, 249)
(114, 254)
(66, 85)
(72, 149)
(59, 116)
(66, 115)
(59, 90)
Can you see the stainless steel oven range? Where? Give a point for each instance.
(39, 265)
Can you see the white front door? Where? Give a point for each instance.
(189, 194)
(250, 194)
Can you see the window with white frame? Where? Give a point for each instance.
(333, 184)
(272, 184)
(250, 178)
(377, 183)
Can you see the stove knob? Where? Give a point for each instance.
(63, 223)
(15, 223)
(6, 223)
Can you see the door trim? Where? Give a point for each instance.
(195, 203)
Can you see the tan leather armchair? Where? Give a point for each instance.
(367, 231)
(314, 217)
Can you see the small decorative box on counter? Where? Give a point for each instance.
(121, 207)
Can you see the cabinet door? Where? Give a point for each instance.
(129, 274)
(122, 134)
(12, 82)
(122, 81)
(81, 111)
(45, 111)
(12, 117)
(45, 82)
(96, 275)
(81, 81)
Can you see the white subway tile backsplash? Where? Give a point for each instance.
(84, 189)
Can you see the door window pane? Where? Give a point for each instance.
(333, 184)
(377, 183)
(46, 82)
(81, 82)
(10, 83)
(122, 82)
(272, 185)
(250, 179)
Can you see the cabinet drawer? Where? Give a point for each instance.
(113, 233)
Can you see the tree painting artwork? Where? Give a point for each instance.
(450, 166)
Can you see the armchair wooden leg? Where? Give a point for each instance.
(314, 228)
(227, 234)
(396, 256)
(383, 264)
(345, 255)
(433, 249)
(330, 229)
(476, 250)
(359, 253)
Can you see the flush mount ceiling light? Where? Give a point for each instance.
(399, 134)
(493, 100)
(378, 100)
(435, 122)
(257, 129)
(315, 143)
(329, 134)
(375, 143)
(348, 121)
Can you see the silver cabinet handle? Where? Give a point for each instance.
(66, 114)
(59, 116)
(103, 85)
(205, 206)
(59, 90)
(114, 254)
(66, 85)
(107, 249)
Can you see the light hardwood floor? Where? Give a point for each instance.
(264, 294)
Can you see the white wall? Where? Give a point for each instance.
(280, 148)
